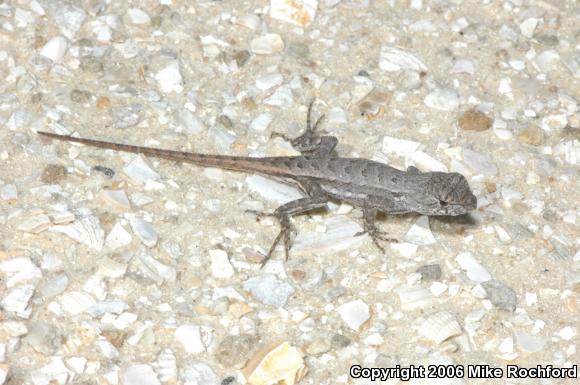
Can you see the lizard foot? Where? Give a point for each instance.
(376, 236)
(260, 214)
(286, 235)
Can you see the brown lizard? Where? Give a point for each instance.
(321, 175)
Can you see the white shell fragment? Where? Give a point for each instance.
(440, 326)
(426, 163)
(35, 224)
(442, 99)
(17, 300)
(86, 229)
(267, 44)
(395, 59)
(297, 12)
(355, 314)
(277, 363)
(54, 49)
(261, 122)
(272, 190)
(169, 78)
(19, 270)
(55, 372)
(139, 171)
(141, 374)
(157, 271)
(398, 146)
(118, 237)
(144, 230)
(420, 233)
(340, 235)
(413, 298)
(190, 338)
(220, 264)
(269, 289)
(475, 271)
(138, 16)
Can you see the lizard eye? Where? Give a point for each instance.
(443, 203)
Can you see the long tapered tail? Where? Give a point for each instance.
(269, 166)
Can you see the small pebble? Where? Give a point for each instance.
(533, 135)
(474, 121)
(267, 44)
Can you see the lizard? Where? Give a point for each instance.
(321, 175)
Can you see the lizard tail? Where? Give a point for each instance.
(234, 163)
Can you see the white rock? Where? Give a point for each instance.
(272, 190)
(267, 44)
(169, 78)
(528, 26)
(399, 147)
(111, 268)
(478, 162)
(249, 21)
(425, 162)
(475, 271)
(568, 332)
(139, 171)
(55, 373)
(267, 81)
(86, 229)
(547, 60)
(221, 267)
(337, 115)
(282, 97)
(54, 49)
(502, 234)
(8, 192)
(442, 99)
(529, 343)
(191, 123)
(138, 16)
(199, 373)
(420, 233)
(297, 12)
(157, 271)
(144, 230)
(406, 250)
(355, 313)
(118, 237)
(190, 338)
(117, 197)
(19, 270)
(76, 302)
(78, 364)
(4, 370)
(394, 59)
(261, 122)
(16, 300)
(68, 18)
(463, 66)
(142, 374)
(269, 289)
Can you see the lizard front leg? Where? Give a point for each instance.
(309, 143)
(370, 228)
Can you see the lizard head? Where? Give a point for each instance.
(449, 194)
